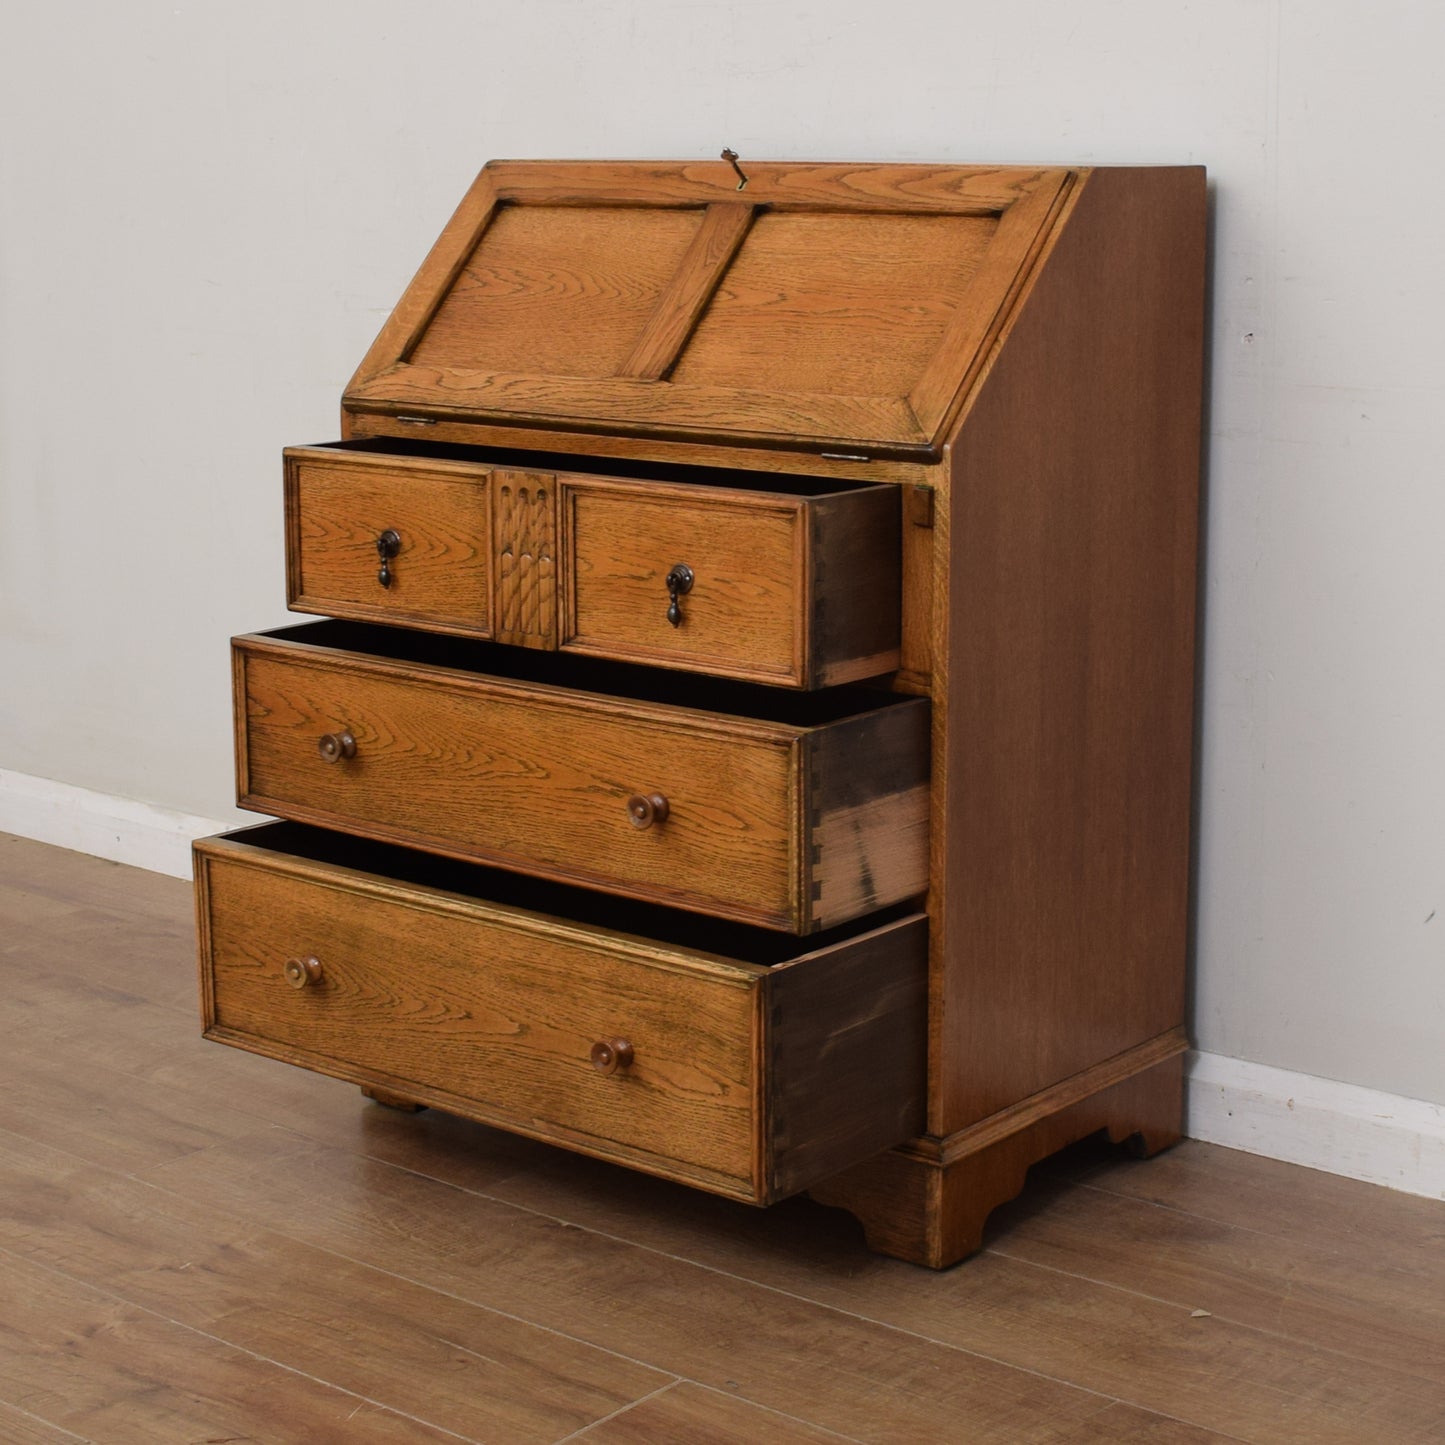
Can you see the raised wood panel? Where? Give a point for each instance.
(831, 303)
(338, 504)
(823, 305)
(558, 290)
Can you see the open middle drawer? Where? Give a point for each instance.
(794, 811)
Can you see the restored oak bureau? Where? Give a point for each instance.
(749, 734)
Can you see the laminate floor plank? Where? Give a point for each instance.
(861, 1378)
(462, 1368)
(1211, 1372)
(181, 1222)
(688, 1413)
(44, 871)
(139, 1100)
(108, 1371)
(1128, 1425)
(1347, 1304)
(1386, 1230)
(19, 1428)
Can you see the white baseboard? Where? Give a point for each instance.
(121, 829)
(1339, 1128)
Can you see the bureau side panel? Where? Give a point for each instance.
(1066, 779)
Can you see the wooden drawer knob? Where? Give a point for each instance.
(302, 972)
(334, 747)
(610, 1055)
(645, 809)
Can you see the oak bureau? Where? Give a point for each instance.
(749, 734)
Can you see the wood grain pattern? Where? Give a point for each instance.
(401, 1004)
(755, 413)
(339, 503)
(558, 290)
(703, 1417)
(108, 1370)
(537, 778)
(360, 423)
(774, 1310)
(826, 303)
(800, 591)
(835, 1369)
(1071, 656)
(471, 1371)
(524, 544)
(717, 240)
(930, 1201)
(940, 189)
(852, 296)
(866, 1030)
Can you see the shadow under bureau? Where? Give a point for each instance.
(749, 732)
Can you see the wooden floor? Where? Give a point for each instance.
(199, 1245)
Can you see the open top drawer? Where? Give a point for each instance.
(793, 581)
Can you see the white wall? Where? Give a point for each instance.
(207, 209)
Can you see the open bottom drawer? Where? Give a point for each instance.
(753, 1070)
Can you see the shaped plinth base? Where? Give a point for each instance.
(926, 1202)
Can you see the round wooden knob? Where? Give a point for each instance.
(336, 746)
(300, 972)
(645, 809)
(610, 1055)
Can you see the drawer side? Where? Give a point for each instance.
(849, 1041)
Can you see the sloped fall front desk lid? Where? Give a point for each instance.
(843, 307)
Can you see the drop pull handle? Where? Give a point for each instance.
(610, 1056)
(645, 809)
(302, 972)
(336, 747)
(679, 584)
(387, 546)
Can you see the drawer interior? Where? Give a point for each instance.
(738, 942)
(782, 483)
(596, 675)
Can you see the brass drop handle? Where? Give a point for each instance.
(679, 584)
(334, 747)
(611, 1055)
(645, 809)
(302, 972)
(387, 546)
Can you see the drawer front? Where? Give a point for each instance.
(798, 591)
(433, 568)
(789, 827)
(790, 590)
(747, 1080)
